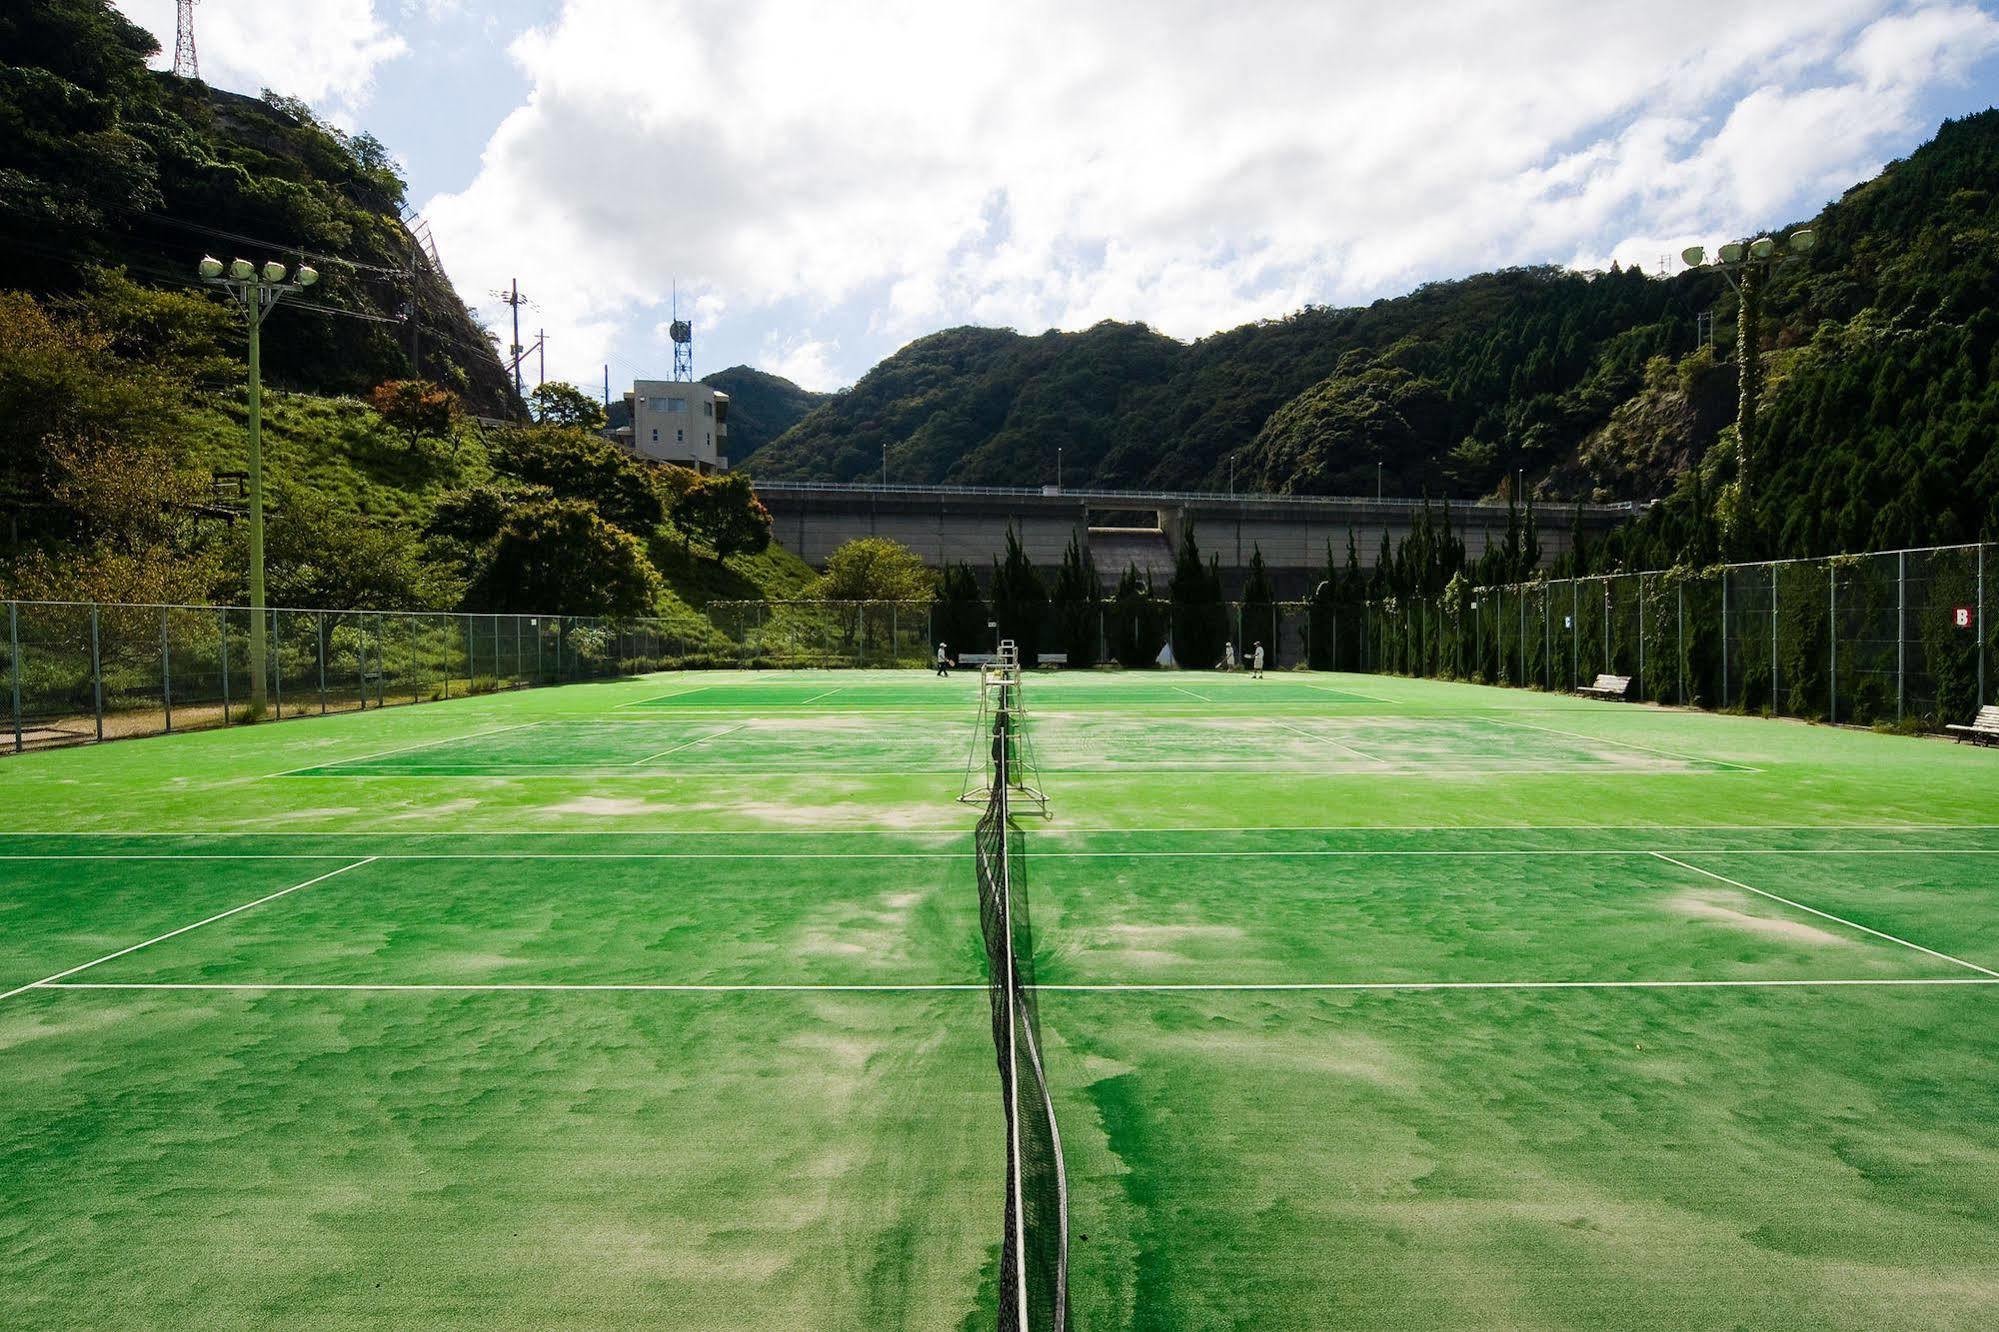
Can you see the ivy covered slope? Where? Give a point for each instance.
(105, 164)
(1878, 410)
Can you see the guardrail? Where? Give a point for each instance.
(764, 487)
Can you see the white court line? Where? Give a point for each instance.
(807, 702)
(689, 745)
(1627, 744)
(1191, 694)
(1350, 693)
(1328, 740)
(1135, 987)
(162, 938)
(1854, 924)
(404, 749)
(1298, 853)
(851, 829)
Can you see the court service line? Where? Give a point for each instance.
(691, 743)
(1627, 744)
(853, 829)
(1191, 694)
(162, 938)
(1854, 924)
(1135, 987)
(1298, 853)
(404, 749)
(1350, 693)
(1328, 740)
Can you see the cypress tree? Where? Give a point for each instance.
(1020, 600)
(1200, 619)
(1078, 604)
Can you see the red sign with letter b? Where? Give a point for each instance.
(1963, 617)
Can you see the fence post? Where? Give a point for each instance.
(1981, 625)
(1606, 625)
(166, 673)
(1832, 641)
(1521, 597)
(1775, 709)
(96, 672)
(1680, 637)
(222, 617)
(1901, 630)
(1575, 631)
(1644, 685)
(319, 655)
(1547, 640)
(14, 663)
(277, 668)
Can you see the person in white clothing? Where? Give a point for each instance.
(1256, 662)
(943, 662)
(1228, 656)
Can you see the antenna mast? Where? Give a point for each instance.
(683, 343)
(187, 64)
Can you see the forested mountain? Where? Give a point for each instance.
(1879, 412)
(762, 406)
(105, 164)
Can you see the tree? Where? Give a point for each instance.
(1322, 639)
(874, 569)
(1020, 600)
(416, 408)
(561, 557)
(1136, 614)
(958, 616)
(726, 514)
(1078, 602)
(566, 406)
(1200, 618)
(578, 465)
(1259, 609)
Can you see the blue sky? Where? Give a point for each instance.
(824, 182)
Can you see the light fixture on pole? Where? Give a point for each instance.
(1746, 265)
(256, 292)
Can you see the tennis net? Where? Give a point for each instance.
(1034, 1254)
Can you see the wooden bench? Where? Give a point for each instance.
(1984, 729)
(975, 658)
(1052, 659)
(1608, 686)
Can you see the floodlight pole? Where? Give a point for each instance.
(257, 292)
(1746, 265)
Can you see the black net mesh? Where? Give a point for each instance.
(1034, 1252)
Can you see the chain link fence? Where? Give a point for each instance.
(1903, 638)
(73, 672)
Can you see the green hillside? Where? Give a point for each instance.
(122, 412)
(106, 164)
(1877, 406)
(762, 406)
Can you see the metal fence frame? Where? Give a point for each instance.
(1871, 639)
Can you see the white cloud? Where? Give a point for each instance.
(803, 359)
(1041, 163)
(324, 52)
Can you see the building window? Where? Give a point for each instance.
(680, 436)
(676, 404)
(707, 409)
(655, 436)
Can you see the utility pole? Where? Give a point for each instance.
(541, 356)
(607, 386)
(257, 291)
(513, 298)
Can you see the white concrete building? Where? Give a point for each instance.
(678, 422)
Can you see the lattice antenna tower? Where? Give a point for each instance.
(187, 64)
(682, 332)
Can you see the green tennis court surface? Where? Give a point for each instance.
(1367, 1003)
